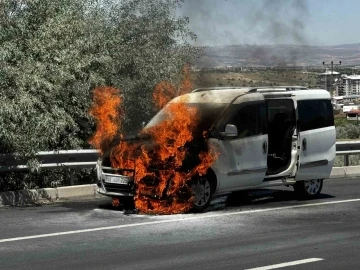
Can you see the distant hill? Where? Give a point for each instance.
(278, 55)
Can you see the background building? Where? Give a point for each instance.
(328, 79)
(348, 85)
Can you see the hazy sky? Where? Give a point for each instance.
(310, 22)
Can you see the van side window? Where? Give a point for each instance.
(263, 116)
(250, 120)
(315, 114)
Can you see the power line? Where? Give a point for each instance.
(331, 66)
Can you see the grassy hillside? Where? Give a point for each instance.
(278, 55)
(253, 78)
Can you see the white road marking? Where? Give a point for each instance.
(280, 265)
(198, 216)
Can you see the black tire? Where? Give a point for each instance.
(308, 189)
(128, 203)
(203, 190)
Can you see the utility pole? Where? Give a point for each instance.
(331, 66)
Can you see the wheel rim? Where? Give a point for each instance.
(202, 191)
(312, 186)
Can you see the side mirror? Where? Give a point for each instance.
(230, 131)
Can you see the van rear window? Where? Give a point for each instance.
(314, 114)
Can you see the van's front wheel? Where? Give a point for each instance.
(308, 189)
(203, 190)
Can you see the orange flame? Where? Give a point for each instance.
(170, 138)
(105, 110)
(162, 184)
(186, 84)
(166, 91)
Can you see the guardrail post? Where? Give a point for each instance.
(346, 160)
(71, 177)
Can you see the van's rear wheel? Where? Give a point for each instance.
(308, 189)
(203, 191)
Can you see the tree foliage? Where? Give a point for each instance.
(54, 52)
(349, 131)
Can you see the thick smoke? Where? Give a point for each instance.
(256, 23)
(204, 13)
(234, 22)
(281, 21)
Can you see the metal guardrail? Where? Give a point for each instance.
(347, 148)
(86, 158)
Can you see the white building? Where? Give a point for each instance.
(328, 79)
(349, 85)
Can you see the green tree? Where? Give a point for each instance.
(54, 52)
(349, 131)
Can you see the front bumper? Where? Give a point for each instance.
(111, 188)
(116, 193)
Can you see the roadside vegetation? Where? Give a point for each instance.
(54, 53)
(346, 130)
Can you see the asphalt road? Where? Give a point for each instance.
(271, 229)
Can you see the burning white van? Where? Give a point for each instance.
(264, 137)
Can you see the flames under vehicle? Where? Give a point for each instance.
(263, 137)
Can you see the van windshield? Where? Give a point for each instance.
(208, 113)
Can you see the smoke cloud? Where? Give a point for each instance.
(234, 22)
(258, 25)
(282, 21)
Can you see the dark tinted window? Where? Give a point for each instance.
(278, 107)
(250, 120)
(263, 115)
(315, 114)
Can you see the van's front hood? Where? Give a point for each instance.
(135, 142)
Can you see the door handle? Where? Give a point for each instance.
(264, 147)
(304, 144)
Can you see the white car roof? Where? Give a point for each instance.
(228, 94)
(212, 96)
